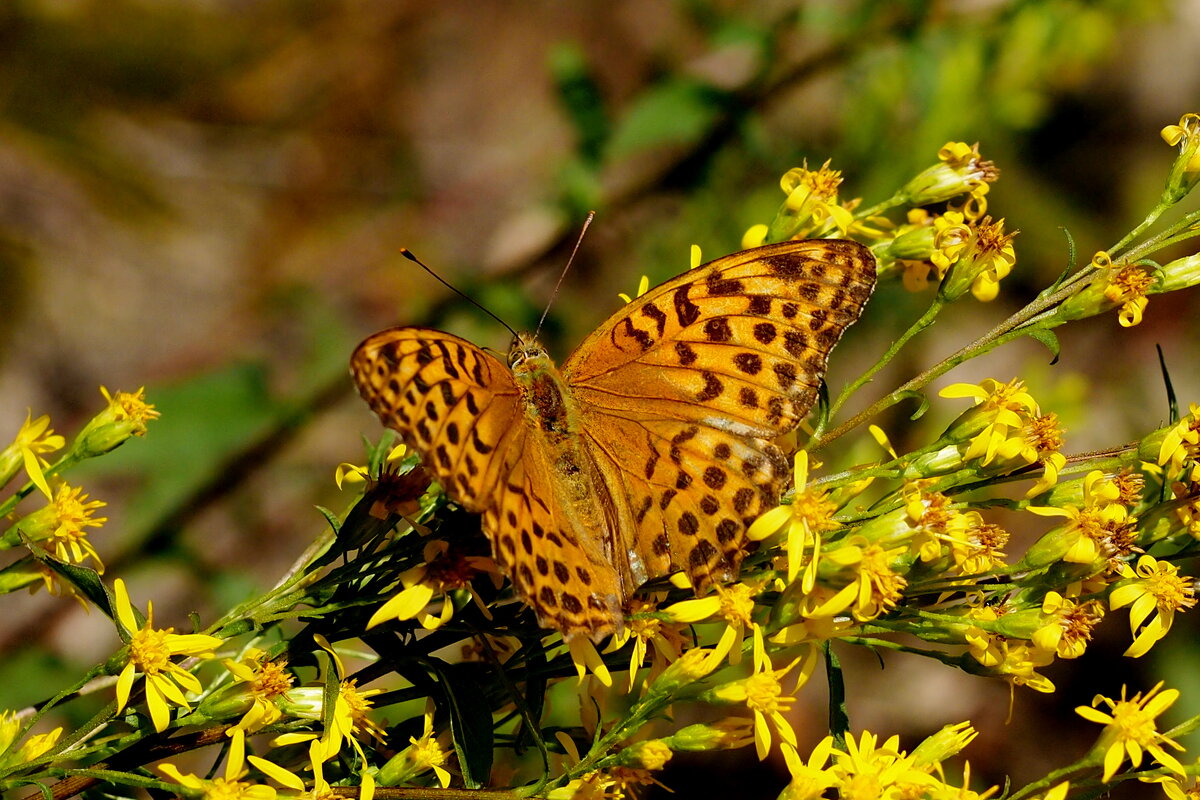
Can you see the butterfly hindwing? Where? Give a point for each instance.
(450, 400)
(572, 579)
(691, 491)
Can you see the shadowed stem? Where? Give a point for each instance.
(1012, 328)
(917, 327)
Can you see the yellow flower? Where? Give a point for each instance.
(649, 633)
(259, 685)
(1017, 663)
(867, 769)
(63, 522)
(1122, 286)
(733, 604)
(1000, 409)
(1068, 626)
(1100, 528)
(321, 788)
(810, 779)
(1128, 288)
(961, 170)
(445, 574)
(764, 695)
(34, 440)
(1185, 172)
(228, 787)
(1130, 730)
(422, 755)
(811, 208)
(1181, 442)
(987, 258)
(32, 748)
(1185, 788)
(873, 587)
(939, 528)
(587, 659)
(808, 516)
(150, 651)
(347, 473)
(1039, 440)
(1154, 589)
(125, 416)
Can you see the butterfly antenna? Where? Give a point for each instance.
(587, 222)
(404, 251)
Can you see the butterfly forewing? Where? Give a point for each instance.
(681, 387)
(450, 400)
(742, 341)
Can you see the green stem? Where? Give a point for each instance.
(1048, 781)
(895, 200)
(1012, 328)
(917, 327)
(1150, 219)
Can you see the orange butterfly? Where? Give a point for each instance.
(650, 450)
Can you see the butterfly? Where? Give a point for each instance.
(650, 450)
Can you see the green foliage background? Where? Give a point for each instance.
(210, 199)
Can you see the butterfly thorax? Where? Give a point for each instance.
(544, 395)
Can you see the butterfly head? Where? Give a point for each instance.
(526, 353)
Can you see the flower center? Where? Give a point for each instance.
(737, 604)
(765, 695)
(272, 679)
(148, 650)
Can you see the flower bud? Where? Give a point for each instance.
(125, 416)
(725, 734)
(1185, 172)
(685, 670)
(960, 171)
(1179, 274)
(947, 742)
(652, 755)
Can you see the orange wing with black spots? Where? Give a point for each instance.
(450, 401)
(682, 389)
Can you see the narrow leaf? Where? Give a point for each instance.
(86, 581)
(470, 719)
(1049, 339)
(839, 719)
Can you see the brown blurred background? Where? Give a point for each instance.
(209, 199)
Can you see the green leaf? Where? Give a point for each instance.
(85, 580)
(470, 718)
(922, 402)
(679, 111)
(1049, 339)
(839, 719)
(580, 97)
(1172, 402)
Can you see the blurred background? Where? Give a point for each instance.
(209, 199)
